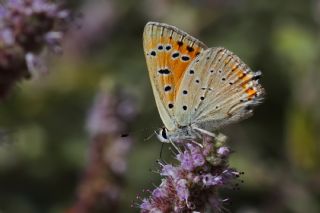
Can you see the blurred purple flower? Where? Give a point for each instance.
(223, 151)
(26, 27)
(103, 179)
(193, 184)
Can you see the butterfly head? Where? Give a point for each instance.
(162, 135)
(181, 133)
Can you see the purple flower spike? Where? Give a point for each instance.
(192, 185)
(198, 159)
(101, 185)
(169, 170)
(159, 192)
(182, 189)
(145, 204)
(210, 180)
(26, 28)
(186, 161)
(223, 151)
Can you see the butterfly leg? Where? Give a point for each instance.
(175, 146)
(196, 143)
(211, 134)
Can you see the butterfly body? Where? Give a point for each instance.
(197, 89)
(179, 134)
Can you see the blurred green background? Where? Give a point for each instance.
(44, 142)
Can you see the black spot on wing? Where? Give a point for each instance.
(257, 75)
(190, 49)
(167, 88)
(175, 55)
(164, 71)
(185, 58)
(153, 53)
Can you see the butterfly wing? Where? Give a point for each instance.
(168, 52)
(217, 89)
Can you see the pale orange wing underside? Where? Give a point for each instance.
(168, 53)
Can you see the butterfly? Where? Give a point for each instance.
(197, 89)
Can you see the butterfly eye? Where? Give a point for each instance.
(164, 133)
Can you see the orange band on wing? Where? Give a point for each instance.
(251, 92)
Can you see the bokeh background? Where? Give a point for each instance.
(45, 135)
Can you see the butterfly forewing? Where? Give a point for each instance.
(168, 52)
(217, 89)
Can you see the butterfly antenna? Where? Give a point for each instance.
(150, 136)
(126, 134)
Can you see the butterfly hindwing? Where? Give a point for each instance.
(168, 52)
(217, 89)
